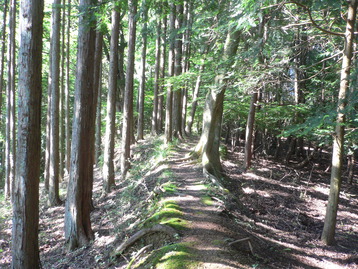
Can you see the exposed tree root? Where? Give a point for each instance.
(140, 234)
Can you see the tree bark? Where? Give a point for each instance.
(2, 88)
(10, 111)
(78, 231)
(155, 129)
(163, 56)
(169, 101)
(177, 93)
(141, 93)
(121, 72)
(98, 139)
(25, 222)
(249, 132)
(3, 49)
(108, 154)
(67, 90)
(194, 102)
(54, 86)
(48, 135)
(187, 25)
(62, 134)
(127, 131)
(338, 138)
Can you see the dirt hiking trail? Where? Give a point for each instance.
(209, 232)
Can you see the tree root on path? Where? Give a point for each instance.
(140, 234)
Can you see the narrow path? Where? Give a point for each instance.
(209, 232)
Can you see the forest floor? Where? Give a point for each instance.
(280, 226)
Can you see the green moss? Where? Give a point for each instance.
(169, 187)
(176, 256)
(176, 223)
(206, 200)
(168, 213)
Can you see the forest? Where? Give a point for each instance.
(178, 134)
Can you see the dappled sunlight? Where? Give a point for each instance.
(288, 208)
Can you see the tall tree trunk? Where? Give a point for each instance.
(62, 134)
(2, 88)
(92, 125)
(171, 58)
(140, 130)
(2, 54)
(128, 95)
(54, 86)
(78, 231)
(108, 165)
(47, 143)
(10, 117)
(121, 72)
(25, 222)
(98, 139)
(187, 25)
(338, 139)
(163, 56)
(249, 132)
(67, 90)
(177, 96)
(155, 129)
(194, 102)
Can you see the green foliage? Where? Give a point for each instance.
(318, 126)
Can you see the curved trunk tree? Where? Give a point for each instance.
(25, 222)
(208, 146)
(78, 231)
(338, 138)
(108, 165)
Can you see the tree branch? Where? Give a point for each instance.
(313, 21)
